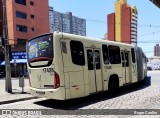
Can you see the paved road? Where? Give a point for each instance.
(129, 97)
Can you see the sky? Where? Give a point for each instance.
(95, 12)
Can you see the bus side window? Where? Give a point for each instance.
(105, 54)
(64, 48)
(77, 53)
(97, 59)
(122, 55)
(133, 55)
(126, 59)
(114, 54)
(90, 59)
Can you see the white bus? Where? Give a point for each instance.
(65, 66)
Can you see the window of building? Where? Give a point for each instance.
(21, 15)
(32, 16)
(22, 2)
(105, 54)
(21, 41)
(33, 29)
(21, 28)
(77, 53)
(114, 54)
(32, 3)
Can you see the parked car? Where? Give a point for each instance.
(149, 68)
(156, 67)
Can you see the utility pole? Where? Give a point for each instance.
(8, 84)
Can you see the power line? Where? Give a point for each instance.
(100, 21)
(96, 21)
(139, 25)
(152, 33)
(104, 22)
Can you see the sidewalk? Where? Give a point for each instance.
(16, 95)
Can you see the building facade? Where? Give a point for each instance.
(25, 19)
(134, 23)
(157, 50)
(66, 22)
(122, 24)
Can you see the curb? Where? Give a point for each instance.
(17, 100)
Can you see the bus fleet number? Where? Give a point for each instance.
(48, 70)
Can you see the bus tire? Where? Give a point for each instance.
(113, 85)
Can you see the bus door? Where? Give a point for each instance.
(94, 70)
(126, 66)
(73, 60)
(134, 66)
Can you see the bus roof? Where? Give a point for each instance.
(85, 38)
(90, 39)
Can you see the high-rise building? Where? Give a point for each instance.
(122, 25)
(126, 24)
(111, 26)
(26, 19)
(51, 19)
(134, 20)
(66, 22)
(157, 50)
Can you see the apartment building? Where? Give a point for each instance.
(66, 22)
(26, 19)
(122, 24)
(51, 19)
(157, 50)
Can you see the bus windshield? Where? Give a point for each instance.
(40, 49)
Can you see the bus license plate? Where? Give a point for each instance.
(40, 93)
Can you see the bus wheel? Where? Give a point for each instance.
(113, 86)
